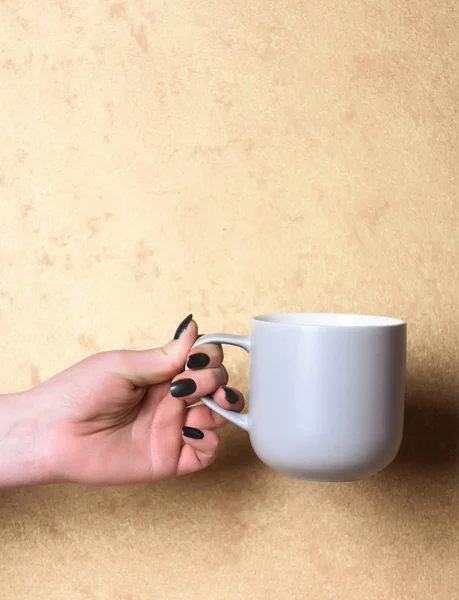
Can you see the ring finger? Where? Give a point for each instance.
(202, 417)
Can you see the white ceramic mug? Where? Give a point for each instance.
(326, 393)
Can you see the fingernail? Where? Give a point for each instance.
(183, 387)
(198, 361)
(230, 395)
(193, 433)
(183, 327)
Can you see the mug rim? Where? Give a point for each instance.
(329, 320)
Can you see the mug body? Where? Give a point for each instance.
(326, 393)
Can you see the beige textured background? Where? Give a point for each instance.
(230, 158)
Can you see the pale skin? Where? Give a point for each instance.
(111, 419)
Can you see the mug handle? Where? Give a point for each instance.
(242, 341)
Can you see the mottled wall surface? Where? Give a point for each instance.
(230, 158)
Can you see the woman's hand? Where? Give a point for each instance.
(118, 417)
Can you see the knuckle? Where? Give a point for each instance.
(115, 360)
(171, 359)
(219, 353)
(207, 459)
(224, 375)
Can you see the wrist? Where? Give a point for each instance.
(26, 456)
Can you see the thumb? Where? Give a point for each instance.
(149, 367)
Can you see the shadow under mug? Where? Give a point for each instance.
(326, 392)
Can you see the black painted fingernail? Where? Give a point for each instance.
(183, 327)
(198, 361)
(193, 433)
(230, 395)
(183, 387)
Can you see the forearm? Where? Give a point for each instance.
(25, 448)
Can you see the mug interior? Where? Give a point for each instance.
(329, 320)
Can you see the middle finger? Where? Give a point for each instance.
(191, 385)
(207, 355)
